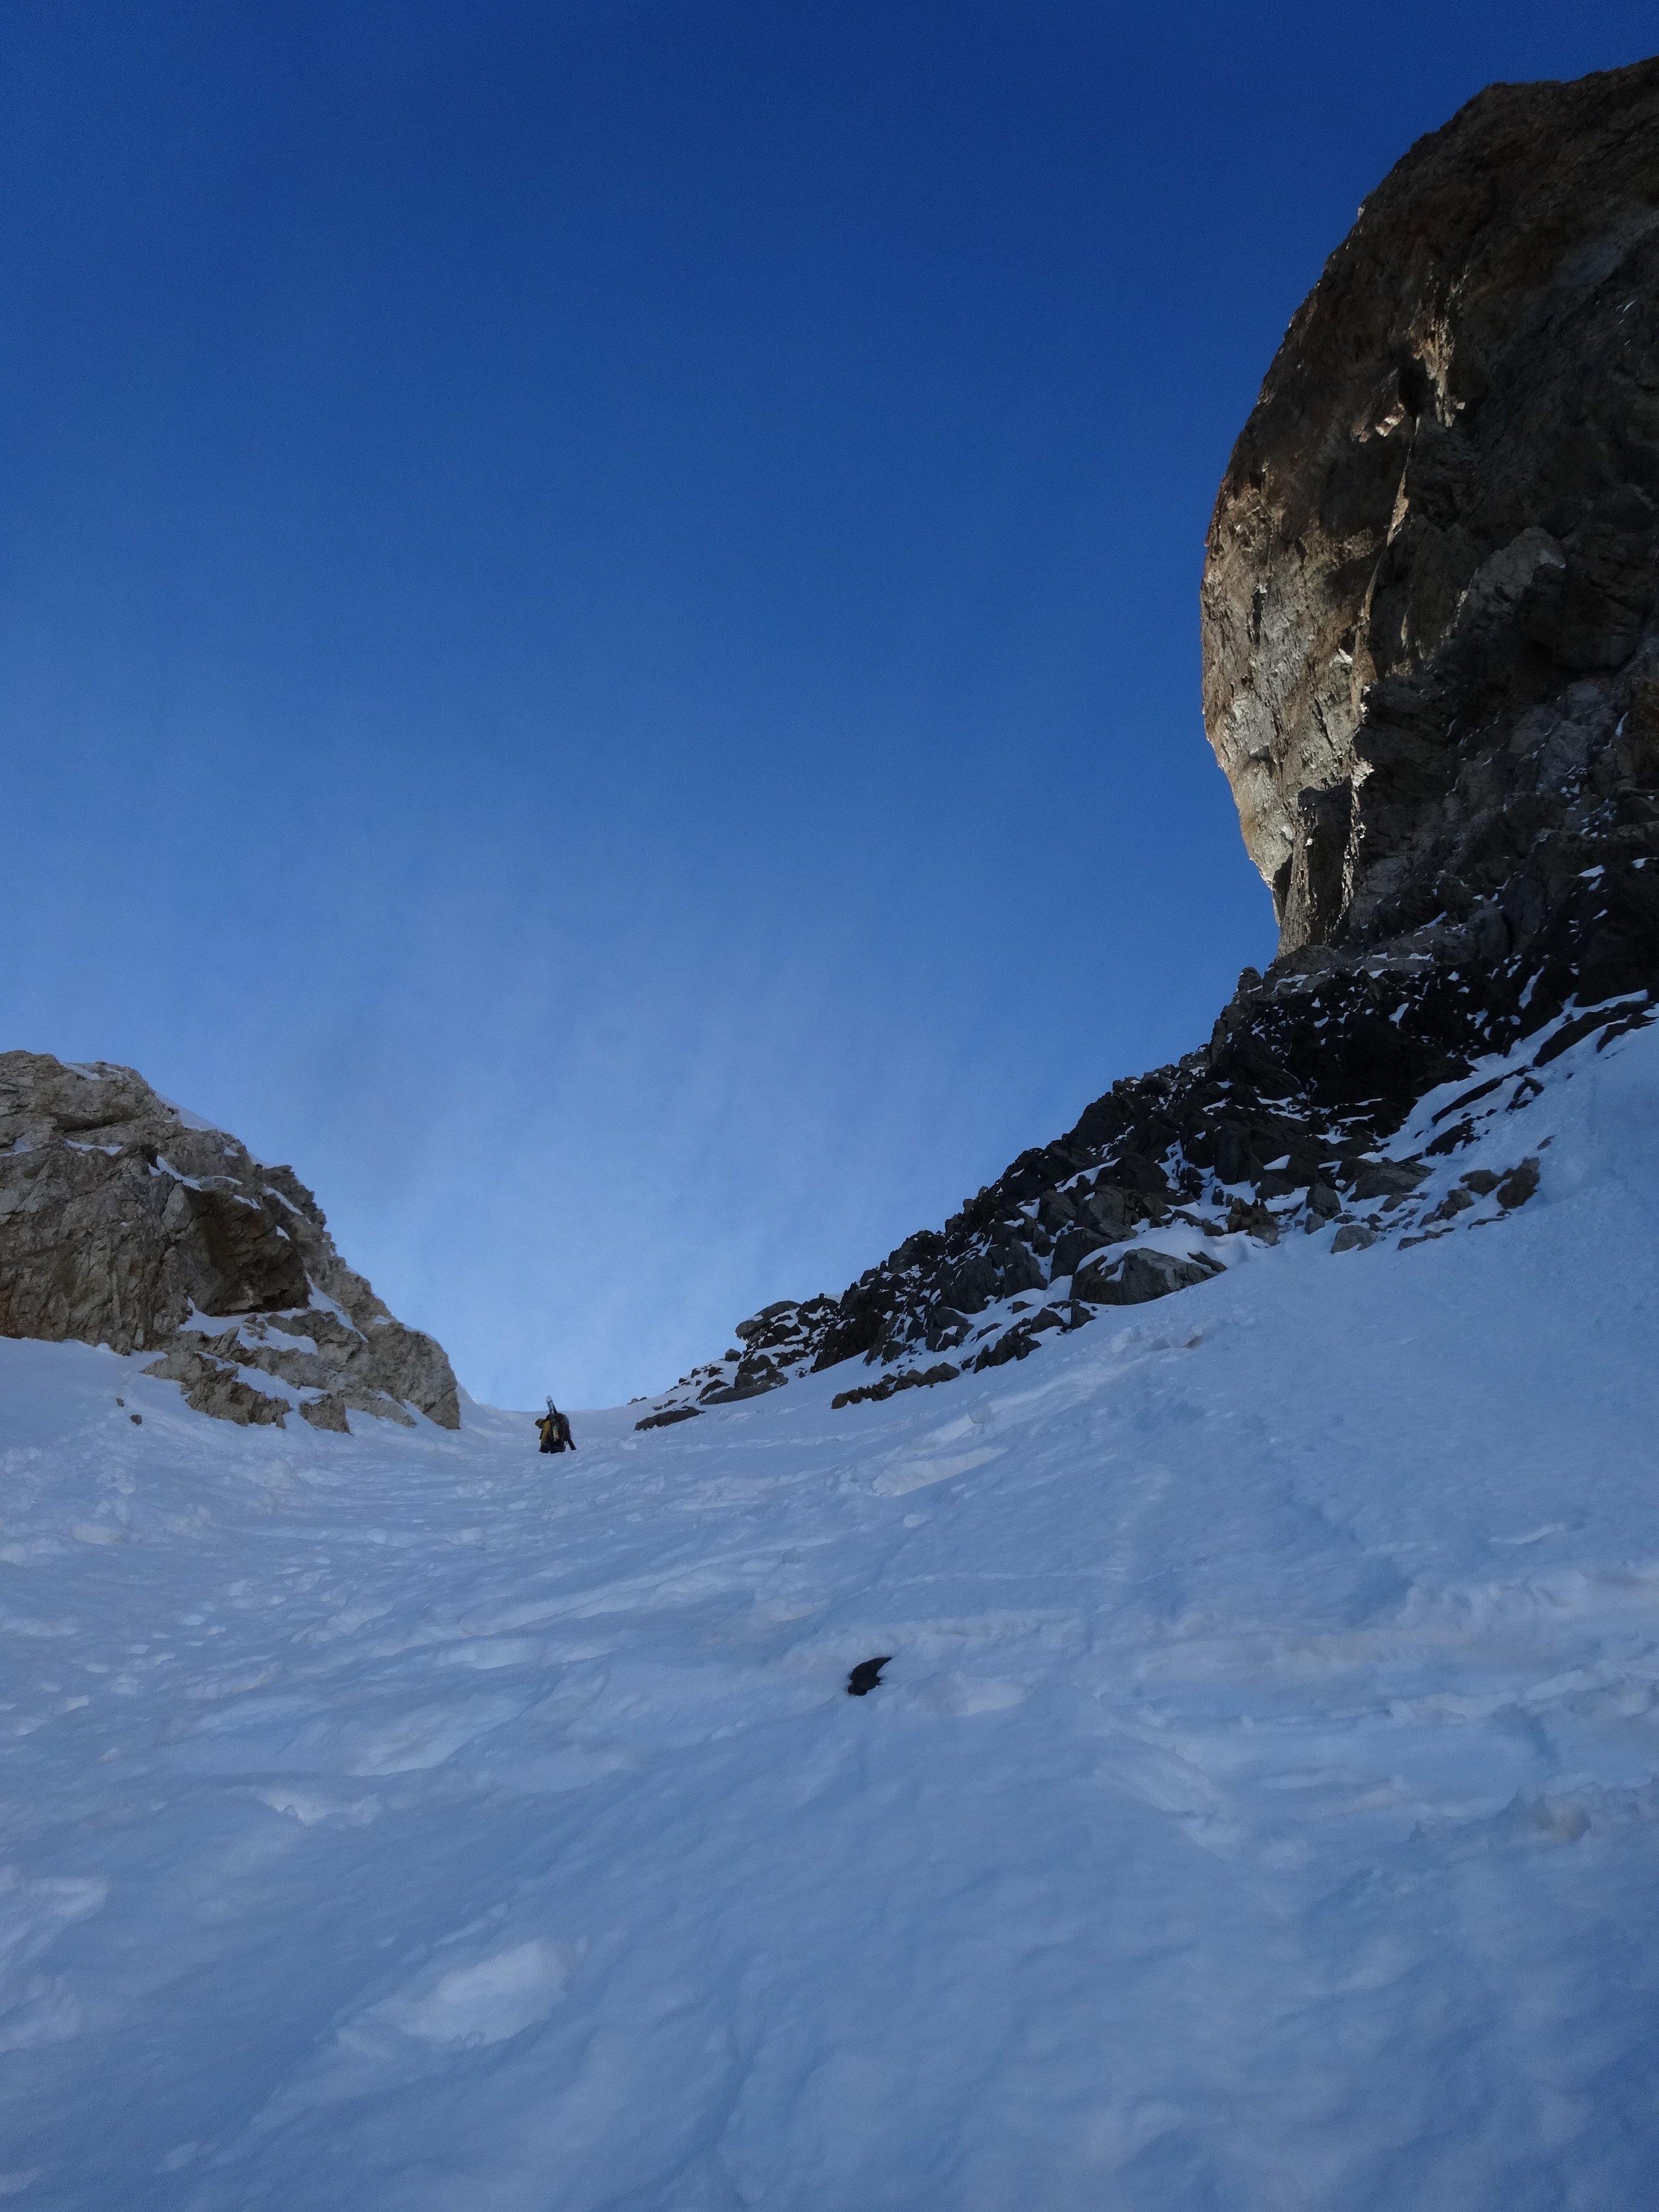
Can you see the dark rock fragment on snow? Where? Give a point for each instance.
(667, 1419)
(1518, 1185)
(910, 1379)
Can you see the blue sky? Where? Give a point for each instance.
(599, 638)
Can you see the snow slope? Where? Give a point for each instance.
(1260, 1810)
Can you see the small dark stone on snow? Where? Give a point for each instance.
(1518, 1186)
(866, 1675)
(912, 1379)
(1480, 1091)
(1014, 1344)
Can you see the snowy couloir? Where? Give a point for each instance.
(1252, 1494)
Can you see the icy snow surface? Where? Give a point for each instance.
(1260, 1810)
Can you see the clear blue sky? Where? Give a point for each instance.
(600, 601)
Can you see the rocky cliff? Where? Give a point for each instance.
(1432, 675)
(1431, 572)
(126, 1222)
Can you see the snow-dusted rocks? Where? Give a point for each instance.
(1142, 1275)
(124, 1221)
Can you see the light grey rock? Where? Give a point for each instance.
(122, 1220)
(213, 1388)
(328, 1412)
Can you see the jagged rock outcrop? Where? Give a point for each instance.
(126, 1222)
(1428, 640)
(1432, 675)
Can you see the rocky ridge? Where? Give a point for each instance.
(124, 1221)
(1431, 676)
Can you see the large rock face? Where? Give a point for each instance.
(1431, 673)
(126, 1222)
(1428, 602)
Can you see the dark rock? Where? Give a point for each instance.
(1056, 1211)
(1353, 1237)
(1016, 1343)
(734, 1393)
(667, 1419)
(1115, 1213)
(1252, 1221)
(1388, 1178)
(1016, 1270)
(1518, 1186)
(946, 1329)
(891, 1385)
(866, 1676)
(1141, 1275)
(1074, 1246)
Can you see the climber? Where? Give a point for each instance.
(554, 1429)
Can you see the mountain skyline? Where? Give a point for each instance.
(602, 605)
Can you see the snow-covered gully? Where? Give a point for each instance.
(1258, 1811)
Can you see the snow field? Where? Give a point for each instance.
(1259, 1811)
